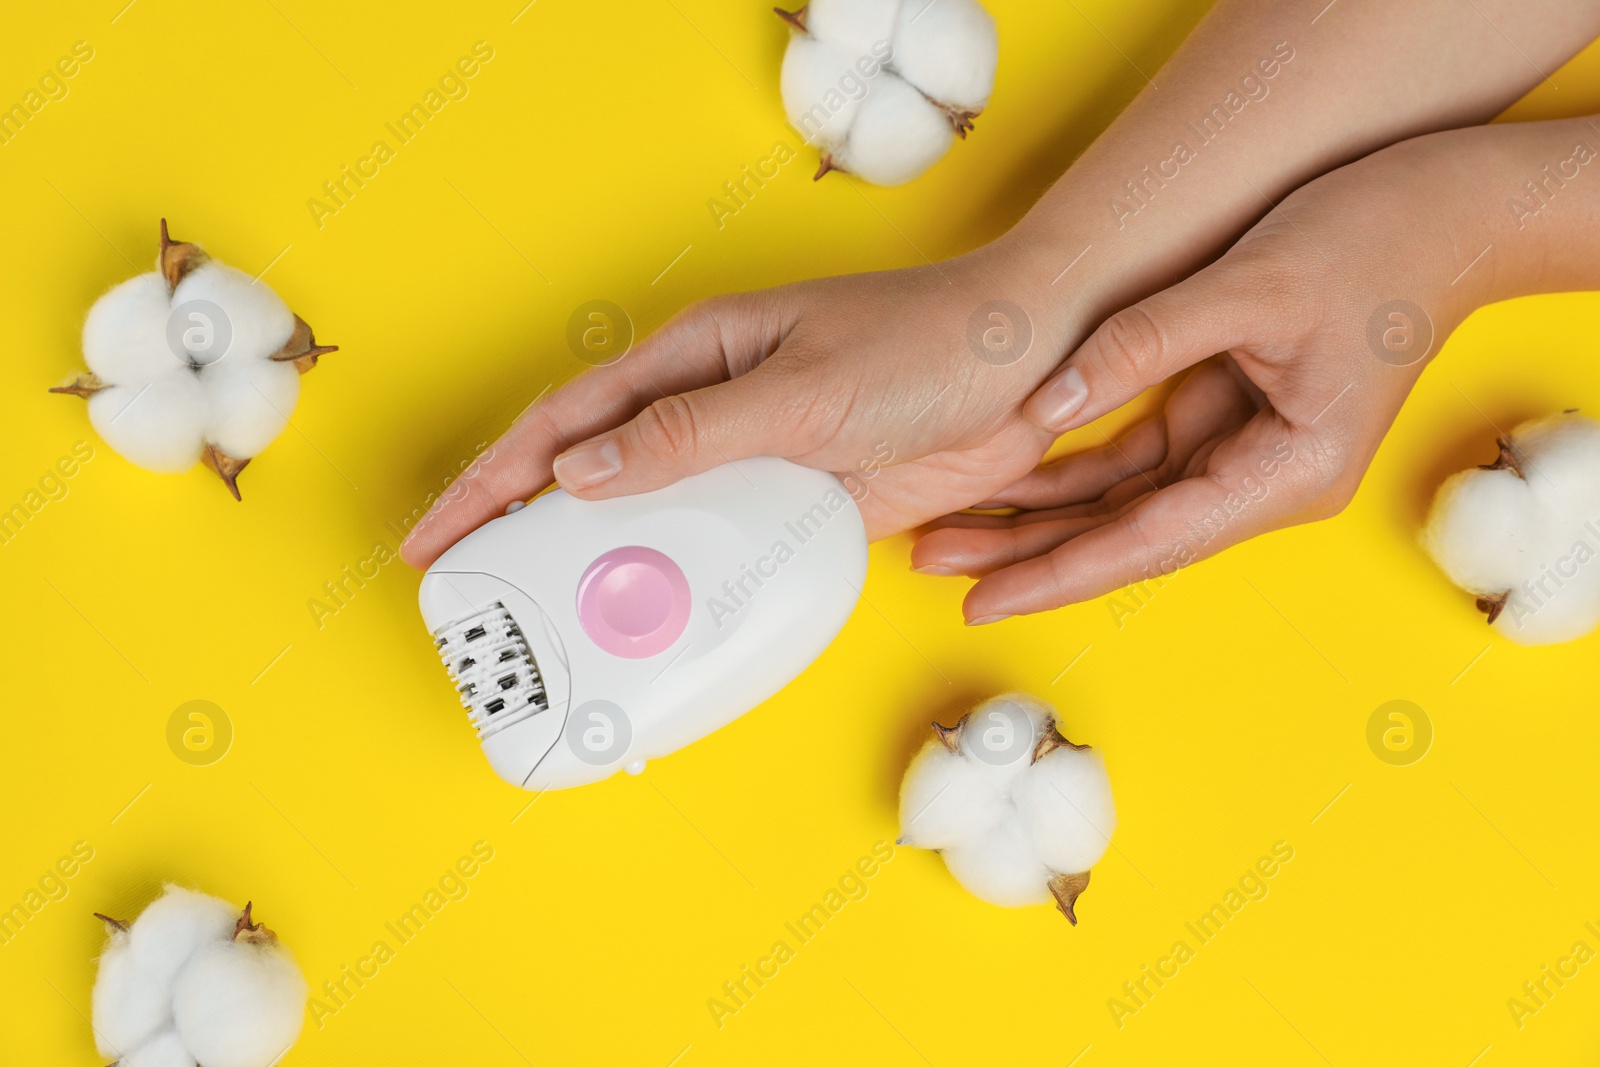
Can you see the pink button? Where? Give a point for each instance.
(633, 602)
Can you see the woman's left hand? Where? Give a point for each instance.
(1325, 314)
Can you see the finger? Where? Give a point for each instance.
(974, 552)
(1087, 475)
(1114, 500)
(1210, 312)
(704, 344)
(965, 520)
(1206, 405)
(681, 434)
(1261, 478)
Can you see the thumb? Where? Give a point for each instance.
(1212, 311)
(680, 435)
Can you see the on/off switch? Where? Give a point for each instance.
(633, 602)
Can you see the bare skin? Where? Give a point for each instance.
(1280, 427)
(834, 372)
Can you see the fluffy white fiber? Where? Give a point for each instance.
(182, 375)
(159, 425)
(1009, 804)
(1524, 533)
(179, 987)
(882, 86)
(194, 361)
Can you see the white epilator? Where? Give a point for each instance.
(590, 635)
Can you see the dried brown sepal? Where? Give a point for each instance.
(252, 933)
(949, 736)
(796, 19)
(1066, 888)
(84, 385)
(301, 348)
(960, 118)
(1506, 460)
(115, 924)
(1051, 741)
(826, 165)
(225, 466)
(178, 258)
(1492, 606)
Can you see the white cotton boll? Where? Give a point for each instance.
(193, 979)
(1478, 531)
(128, 1009)
(1562, 454)
(946, 799)
(250, 402)
(853, 27)
(884, 86)
(1019, 813)
(125, 335)
(196, 361)
(158, 425)
(169, 931)
(166, 1049)
(1065, 803)
(1524, 535)
(999, 736)
(1574, 612)
(896, 136)
(133, 987)
(948, 49)
(257, 321)
(239, 1004)
(1001, 867)
(813, 97)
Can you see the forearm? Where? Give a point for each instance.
(1503, 211)
(1259, 100)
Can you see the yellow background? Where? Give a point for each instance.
(1232, 708)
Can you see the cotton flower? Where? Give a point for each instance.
(1019, 813)
(882, 86)
(1523, 533)
(192, 361)
(194, 981)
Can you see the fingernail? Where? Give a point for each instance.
(588, 464)
(934, 568)
(1061, 399)
(990, 505)
(984, 620)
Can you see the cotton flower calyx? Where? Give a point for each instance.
(193, 361)
(883, 86)
(1522, 534)
(1018, 812)
(193, 981)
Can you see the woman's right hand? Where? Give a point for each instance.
(884, 378)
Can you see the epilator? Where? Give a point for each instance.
(586, 636)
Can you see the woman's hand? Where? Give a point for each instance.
(874, 376)
(1326, 313)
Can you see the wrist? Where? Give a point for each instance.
(1515, 209)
